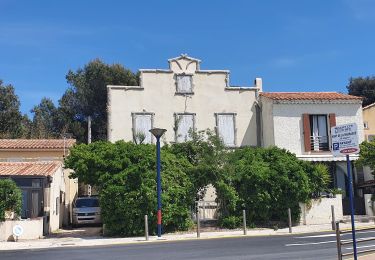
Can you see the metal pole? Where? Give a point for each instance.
(198, 222)
(89, 130)
(244, 222)
(351, 205)
(333, 217)
(146, 227)
(89, 142)
(158, 184)
(338, 240)
(290, 220)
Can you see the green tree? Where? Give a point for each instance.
(367, 155)
(10, 116)
(363, 87)
(10, 198)
(266, 182)
(88, 96)
(207, 155)
(44, 124)
(125, 174)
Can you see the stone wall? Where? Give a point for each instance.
(32, 229)
(319, 212)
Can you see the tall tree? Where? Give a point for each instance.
(44, 124)
(363, 87)
(88, 96)
(10, 115)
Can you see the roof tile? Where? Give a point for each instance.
(36, 143)
(308, 96)
(29, 168)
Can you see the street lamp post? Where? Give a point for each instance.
(158, 132)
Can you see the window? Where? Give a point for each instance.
(226, 129)
(183, 124)
(184, 84)
(370, 138)
(365, 124)
(316, 131)
(142, 123)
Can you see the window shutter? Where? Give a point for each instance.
(225, 124)
(185, 123)
(332, 120)
(184, 84)
(307, 132)
(142, 126)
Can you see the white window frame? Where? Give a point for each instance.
(365, 125)
(176, 120)
(217, 115)
(134, 115)
(178, 91)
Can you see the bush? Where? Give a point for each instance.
(125, 174)
(266, 182)
(230, 222)
(10, 198)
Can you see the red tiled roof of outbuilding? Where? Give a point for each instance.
(29, 168)
(43, 144)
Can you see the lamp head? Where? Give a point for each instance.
(157, 132)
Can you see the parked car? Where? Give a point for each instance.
(86, 210)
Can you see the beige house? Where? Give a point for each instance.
(21, 151)
(369, 122)
(43, 188)
(181, 98)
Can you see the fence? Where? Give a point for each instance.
(340, 242)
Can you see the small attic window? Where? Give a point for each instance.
(184, 84)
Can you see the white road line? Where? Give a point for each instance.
(349, 248)
(329, 235)
(333, 235)
(315, 243)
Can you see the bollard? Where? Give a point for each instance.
(198, 223)
(146, 227)
(244, 222)
(333, 217)
(338, 240)
(290, 220)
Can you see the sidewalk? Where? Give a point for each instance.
(100, 241)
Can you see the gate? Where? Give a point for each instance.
(208, 210)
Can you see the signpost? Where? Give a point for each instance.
(345, 142)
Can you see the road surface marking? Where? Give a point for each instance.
(333, 235)
(313, 243)
(361, 247)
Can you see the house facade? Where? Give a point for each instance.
(21, 151)
(42, 185)
(185, 97)
(301, 122)
(369, 122)
(181, 98)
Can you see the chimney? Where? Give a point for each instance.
(258, 84)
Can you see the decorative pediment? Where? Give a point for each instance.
(184, 64)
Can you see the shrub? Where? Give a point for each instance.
(126, 176)
(266, 182)
(10, 198)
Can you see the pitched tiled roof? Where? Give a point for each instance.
(28, 168)
(308, 96)
(36, 143)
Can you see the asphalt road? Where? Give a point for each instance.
(306, 246)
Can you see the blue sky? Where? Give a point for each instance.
(293, 45)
